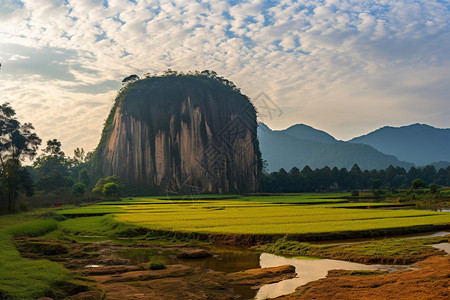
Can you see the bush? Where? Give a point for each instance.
(103, 181)
(157, 266)
(78, 189)
(418, 183)
(433, 187)
(111, 190)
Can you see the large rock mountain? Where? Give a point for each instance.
(181, 134)
(302, 145)
(417, 143)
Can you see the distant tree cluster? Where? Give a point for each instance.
(51, 172)
(327, 180)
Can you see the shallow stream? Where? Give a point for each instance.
(232, 260)
(236, 259)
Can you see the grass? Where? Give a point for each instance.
(198, 197)
(295, 199)
(22, 278)
(100, 226)
(392, 250)
(272, 215)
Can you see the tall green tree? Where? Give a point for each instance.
(17, 143)
(52, 168)
(418, 183)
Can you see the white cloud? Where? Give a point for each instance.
(344, 66)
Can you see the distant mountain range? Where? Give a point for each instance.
(301, 145)
(418, 143)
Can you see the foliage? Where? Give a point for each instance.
(433, 187)
(157, 266)
(326, 179)
(54, 149)
(418, 183)
(129, 79)
(98, 188)
(17, 142)
(111, 190)
(78, 189)
(83, 177)
(52, 169)
(355, 193)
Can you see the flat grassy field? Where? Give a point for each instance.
(262, 215)
(22, 278)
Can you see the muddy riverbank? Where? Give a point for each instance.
(121, 271)
(430, 281)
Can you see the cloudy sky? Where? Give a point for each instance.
(346, 67)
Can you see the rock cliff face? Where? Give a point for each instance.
(181, 135)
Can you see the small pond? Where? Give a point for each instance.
(233, 260)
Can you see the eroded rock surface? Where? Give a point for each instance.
(184, 135)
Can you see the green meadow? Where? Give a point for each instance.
(309, 214)
(22, 278)
(292, 215)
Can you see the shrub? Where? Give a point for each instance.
(102, 181)
(157, 266)
(78, 189)
(111, 190)
(418, 183)
(433, 187)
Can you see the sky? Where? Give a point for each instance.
(345, 67)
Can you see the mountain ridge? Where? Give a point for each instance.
(300, 145)
(420, 144)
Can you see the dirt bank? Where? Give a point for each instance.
(116, 278)
(250, 240)
(182, 282)
(430, 281)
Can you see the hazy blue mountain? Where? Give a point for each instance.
(417, 143)
(305, 132)
(302, 145)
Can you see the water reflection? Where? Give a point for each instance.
(222, 261)
(443, 246)
(307, 270)
(233, 260)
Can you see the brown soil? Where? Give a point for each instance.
(182, 282)
(259, 277)
(116, 278)
(430, 281)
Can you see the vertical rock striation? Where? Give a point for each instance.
(180, 134)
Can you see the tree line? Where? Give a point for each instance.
(49, 174)
(330, 180)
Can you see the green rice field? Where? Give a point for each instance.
(262, 215)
